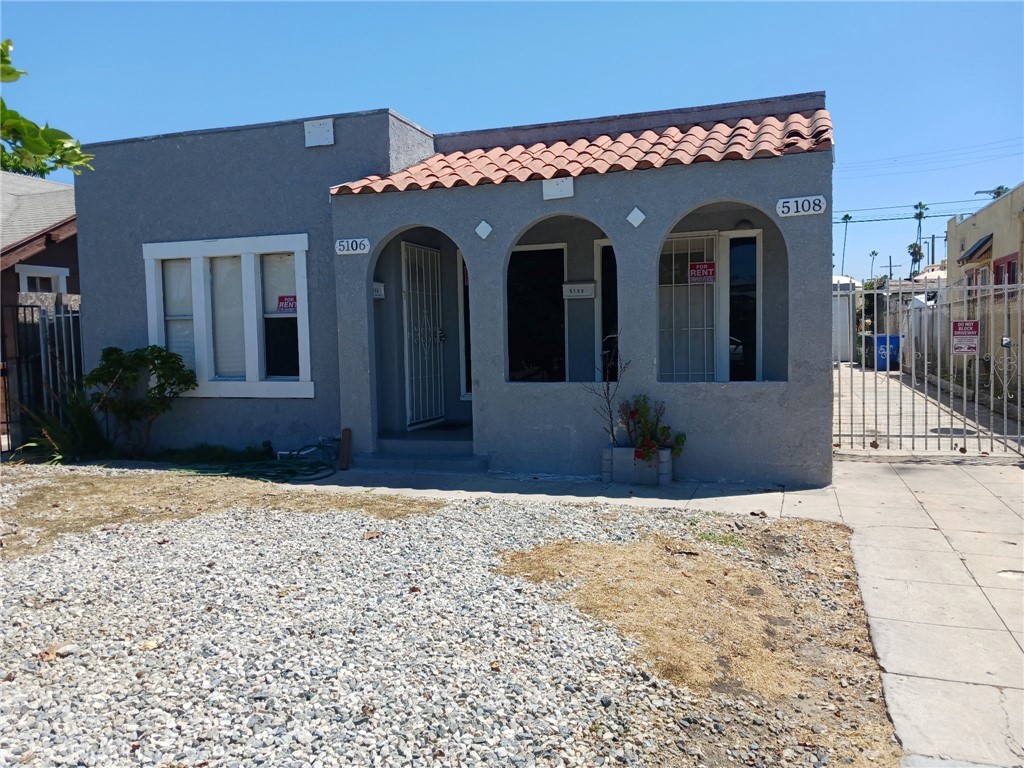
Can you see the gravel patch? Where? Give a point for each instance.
(259, 637)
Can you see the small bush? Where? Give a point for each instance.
(133, 388)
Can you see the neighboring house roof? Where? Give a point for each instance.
(34, 212)
(32, 205)
(976, 250)
(743, 138)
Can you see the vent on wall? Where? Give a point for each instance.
(319, 133)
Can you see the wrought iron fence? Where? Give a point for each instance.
(922, 366)
(40, 359)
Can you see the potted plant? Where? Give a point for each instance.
(647, 459)
(651, 445)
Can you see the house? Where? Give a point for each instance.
(454, 297)
(983, 272)
(985, 247)
(40, 246)
(39, 256)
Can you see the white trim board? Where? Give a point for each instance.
(25, 271)
(199, 252)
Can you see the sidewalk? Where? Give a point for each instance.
(939, 551)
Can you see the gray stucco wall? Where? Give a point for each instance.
(258, 180)
(772, 431)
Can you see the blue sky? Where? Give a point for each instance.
(927, 98)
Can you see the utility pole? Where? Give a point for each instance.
(847, 218)
(931, 253)
(891, 265)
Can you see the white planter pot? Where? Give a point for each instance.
(619, 466)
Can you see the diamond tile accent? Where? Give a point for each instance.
(483, 229)
(636, 217)
(748, 138)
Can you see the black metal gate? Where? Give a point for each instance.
(40, 359)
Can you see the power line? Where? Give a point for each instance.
(929, 170)
(995, 154)
(969, 148)
(940, 215)
(911, 205)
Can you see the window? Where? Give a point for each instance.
(38, 284)
(1005, 270)
(536, 313)
(33, 278)
(709, 307)
(177, 289)
(280, 319)
(236, 311)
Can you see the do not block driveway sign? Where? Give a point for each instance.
(965, 335)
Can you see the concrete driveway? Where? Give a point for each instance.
(939, 550)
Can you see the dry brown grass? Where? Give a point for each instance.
(711, 615)
(703, 621)
(58, 502)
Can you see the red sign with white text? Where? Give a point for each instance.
(286, 305)
(702, 272)
(965, 335)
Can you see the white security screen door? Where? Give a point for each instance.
(424, 337)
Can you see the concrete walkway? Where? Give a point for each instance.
(939, 551)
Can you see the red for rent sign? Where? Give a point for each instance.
(702, 272)
(965, 335)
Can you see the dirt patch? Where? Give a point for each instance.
(769, 611)
(691, 612)
(45, 502)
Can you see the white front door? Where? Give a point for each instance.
(424, 337)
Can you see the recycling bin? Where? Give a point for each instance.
(882, 351)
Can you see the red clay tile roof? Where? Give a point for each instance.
(740, 139)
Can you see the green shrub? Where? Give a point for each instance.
(133, 388)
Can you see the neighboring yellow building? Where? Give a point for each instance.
(985, 248)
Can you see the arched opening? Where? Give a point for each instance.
(723, 297)
(421, 338)
(561, 293)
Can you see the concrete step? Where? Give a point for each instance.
(423, 462)
(400, 446)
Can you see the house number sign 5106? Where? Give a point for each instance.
(801, 206)
(352, 246)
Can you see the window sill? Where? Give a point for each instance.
(266, 389)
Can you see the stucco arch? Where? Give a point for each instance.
(549, 335)
(517, 237)
(729, 214)
(392, 333)
(387, 238)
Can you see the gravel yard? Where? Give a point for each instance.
(160, 619)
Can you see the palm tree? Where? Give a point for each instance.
(873, 254)
(916, 255)
(919, 210)
(847, 218)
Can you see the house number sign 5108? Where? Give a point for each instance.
(801, 206)
(352, 246)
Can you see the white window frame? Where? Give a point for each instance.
(59, 275)
(460, 266)
(722, 330)
(199, 252)
(599, 246)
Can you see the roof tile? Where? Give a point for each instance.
(745, 138)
